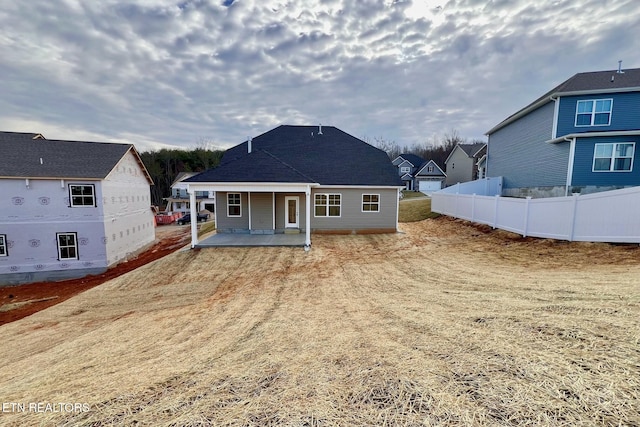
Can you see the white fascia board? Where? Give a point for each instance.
(255, 187)
(597, 91)
(430, 162)
(552, 97)
(451, 153)
(565, 138)
(361, 186)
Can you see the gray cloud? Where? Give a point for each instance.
(172, 72)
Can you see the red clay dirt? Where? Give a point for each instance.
(40, 295)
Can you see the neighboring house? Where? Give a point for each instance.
(303, 178)
(462, 162)
(419, 175)
(179, 200)
(69, 208)
(408, 165)
(582, 136)
(429, 177)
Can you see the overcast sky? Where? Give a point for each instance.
(174, 73)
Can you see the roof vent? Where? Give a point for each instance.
(248, 144)
(320, 129)
(620, 67)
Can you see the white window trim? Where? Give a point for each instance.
(3, 245)
(370, 203)
(75, 245)
(405, 169)
(82, 206)
(239, 204)
(613, 157)
(327, 205)
(593, 112)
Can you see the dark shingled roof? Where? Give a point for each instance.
(20, 158)
(596, 81)
(299, 154)
(10, 136)
(472, 149)
(415, 160)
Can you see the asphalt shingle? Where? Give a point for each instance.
(302, 154)
(23, 157)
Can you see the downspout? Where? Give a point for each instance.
(572, 153)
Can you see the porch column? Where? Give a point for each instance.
(307, 241)
(194, 219)
(249, 206)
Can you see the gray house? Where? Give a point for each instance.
(69, 208)
(302, 179)
(463, 161)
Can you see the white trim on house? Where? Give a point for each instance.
(613, 157)
(256, 187)
(370, 203)
(429, 163)
(572, 155)
(566, 138)
(288, 224)
(327, 205)
(229, 204)
(593, 112)
(556, 114)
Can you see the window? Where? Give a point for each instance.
(405, 169)
(234, 204)
(613, 157)
(67, 246)
(429, 169)
(594, 112)
(82, 195)
(3, 245)
(327, 204)
(370, 203)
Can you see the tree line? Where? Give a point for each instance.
(164, 166)
(437, 148)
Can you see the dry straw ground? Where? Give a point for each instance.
(444, 324)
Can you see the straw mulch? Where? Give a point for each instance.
(444, 324)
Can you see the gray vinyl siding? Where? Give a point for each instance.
(351, 215)
(519, 153)
(226, 223)
(459, 167)
(262, 211)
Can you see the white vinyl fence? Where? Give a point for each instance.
(609, 216)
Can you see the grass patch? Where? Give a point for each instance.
(207, 227)
(413, 209)
(411, 194)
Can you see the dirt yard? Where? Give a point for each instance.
(444, 324)
(21, 301)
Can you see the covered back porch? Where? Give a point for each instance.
(257, 214)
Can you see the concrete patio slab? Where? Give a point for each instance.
(249, 240)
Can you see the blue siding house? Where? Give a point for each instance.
(583, 136)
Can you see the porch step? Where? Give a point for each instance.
(291, 231)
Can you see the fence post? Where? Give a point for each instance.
(495, 212)
(574, 211)
(526, 216)
(473, 206)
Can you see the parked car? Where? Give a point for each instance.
(186, 219)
